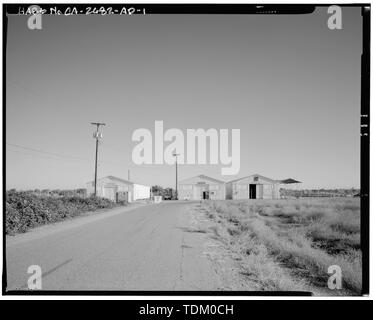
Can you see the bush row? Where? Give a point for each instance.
(24, 210)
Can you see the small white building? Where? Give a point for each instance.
(117, 189)
(253, 187)
(201, 187)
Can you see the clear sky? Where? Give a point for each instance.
(291, 85)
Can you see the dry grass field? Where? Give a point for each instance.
(289, 244)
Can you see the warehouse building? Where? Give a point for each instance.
(117, 189)
(201, 187)
(253, 187)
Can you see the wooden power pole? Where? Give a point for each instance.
(97, 135)
(176, 194)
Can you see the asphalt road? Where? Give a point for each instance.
(151, 247)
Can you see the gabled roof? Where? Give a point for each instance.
(255, 175)
(202, 176)
(120, 179)
(115, 178)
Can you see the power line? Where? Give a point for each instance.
(45, 152)
(32, 154)
(62, 155)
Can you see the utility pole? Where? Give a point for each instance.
(176, 195)
(97, 135)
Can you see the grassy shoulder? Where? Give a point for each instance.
(289, 244)
(25, 211)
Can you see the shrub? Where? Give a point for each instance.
(25, 210)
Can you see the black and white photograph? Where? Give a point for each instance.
(194, 149)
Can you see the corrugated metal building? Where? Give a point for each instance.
(117, 189)
(253, 187)
(201, 187)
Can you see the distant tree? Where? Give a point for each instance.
(157, 190)
(169, 193)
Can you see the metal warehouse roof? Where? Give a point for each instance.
(202, 176)
(114, 178)
(255, 175)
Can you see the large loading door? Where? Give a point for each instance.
(252, 191)
(110, 192)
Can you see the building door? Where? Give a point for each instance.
(259, 191)
(110, 193)
(206, 195)
(252, 191)
(122, 196)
